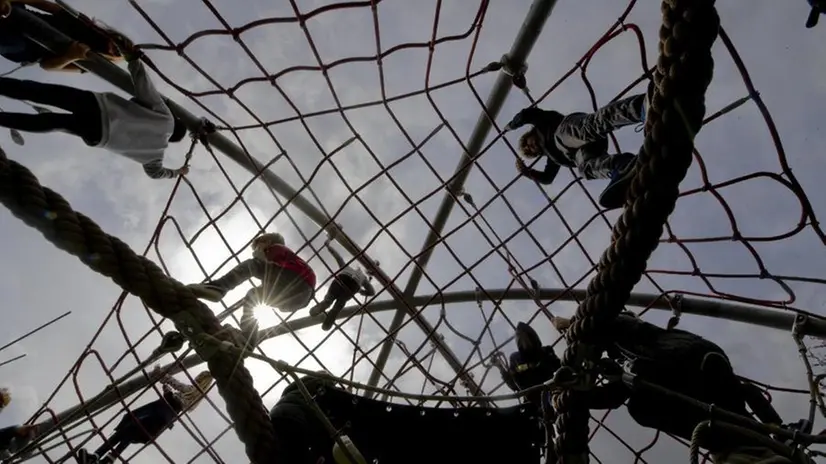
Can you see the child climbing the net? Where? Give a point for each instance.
(87, 36)
(147, 422)
(580, 140)
(688, 364)
(287, 281)
(14, 437)
(5, 398)
(347, 282)
(139, 129)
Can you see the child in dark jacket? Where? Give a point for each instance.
(580, 140)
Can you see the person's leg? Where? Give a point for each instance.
(111, 442)
(119, 449)
(215, 290)
(618, 168)
(41, 123)
(594, 162)
(321, 306)
(332, 314)
(61, 96)
(329, 298)
(579, 129)
(348, 287)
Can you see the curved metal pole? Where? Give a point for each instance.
(51, 39)
(525, 39)
(775, 319)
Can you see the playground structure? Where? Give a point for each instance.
(196, 322)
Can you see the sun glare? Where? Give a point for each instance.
(266, 316)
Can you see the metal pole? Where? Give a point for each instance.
(755, 315)
(525, 39)
(51, 39)
(9, 361)
(748, 314)
(34, 331)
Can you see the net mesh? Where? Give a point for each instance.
(367, 107)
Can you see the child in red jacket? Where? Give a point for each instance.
(287, 281)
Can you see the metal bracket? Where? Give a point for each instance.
(676, 303)
(799, 325)
(517, 74)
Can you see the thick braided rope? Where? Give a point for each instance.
(676, 110)
(49, 213)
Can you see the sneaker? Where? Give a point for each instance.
(320, 308)
(328, 322)
(613, 196)
(207, 291)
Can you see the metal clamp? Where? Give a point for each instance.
(517, 74)
(799, 325)
(676, 303)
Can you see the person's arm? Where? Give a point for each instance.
(544, 177)
(536, 117)
(367, 289)
(760, 405)
(339, 260)
(42, 5)
(175, 384)
(156, 170)
(145, 90)
(65, 61)
(62, 64)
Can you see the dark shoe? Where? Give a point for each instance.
(328, 322)
(85, 457)
(318, 309)
(208, 291)
(613, 196)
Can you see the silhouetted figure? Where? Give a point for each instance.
(347, 282)
(145, 423)
(287, 281)
(580, 140)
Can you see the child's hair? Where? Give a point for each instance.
(523, 143)
(265, 240)
(194, 395)
(178, 132)
(5, 397)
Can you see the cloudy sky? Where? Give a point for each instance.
(41, 282)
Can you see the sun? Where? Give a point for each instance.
(266, 315)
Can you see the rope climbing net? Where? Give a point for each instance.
(374, 149)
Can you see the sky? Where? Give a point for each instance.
(40, 282)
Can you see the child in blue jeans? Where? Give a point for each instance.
(580, 140)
